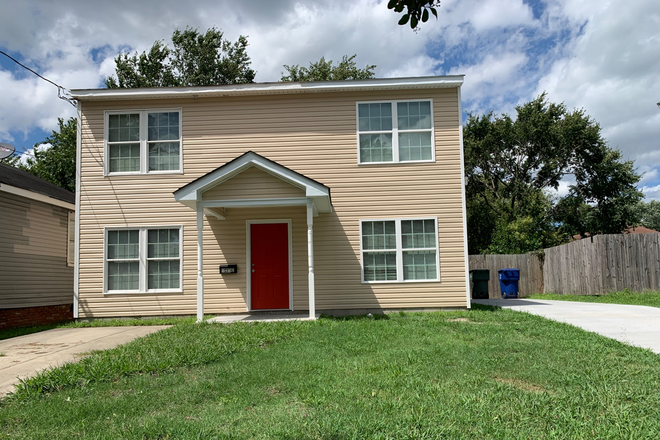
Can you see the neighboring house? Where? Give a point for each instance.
(629, 230)
(36, 250)
(322, 196)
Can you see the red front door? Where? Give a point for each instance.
(269, 247)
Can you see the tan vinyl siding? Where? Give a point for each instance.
(253, 184)
(312, 134)
(33, 254)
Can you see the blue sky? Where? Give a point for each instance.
(602, 56)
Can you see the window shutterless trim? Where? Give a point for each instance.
(399, 250)
(394, 131)
(144, 141)
(142, 259)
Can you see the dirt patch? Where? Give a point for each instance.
(522, 385)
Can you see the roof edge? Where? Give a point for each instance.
(270, 88)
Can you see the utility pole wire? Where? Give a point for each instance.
(62, 92)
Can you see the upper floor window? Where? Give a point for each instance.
(395, 131)
(144, 141)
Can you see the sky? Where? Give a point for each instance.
(597, 55)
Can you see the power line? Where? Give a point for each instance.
(62, 92)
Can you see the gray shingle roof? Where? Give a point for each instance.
(24, 180)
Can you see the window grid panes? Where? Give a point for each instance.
(395, 133)
(163, 263)
(123, 252)
(129, 269)
(132, 136)
(161, 127)
(399, 250)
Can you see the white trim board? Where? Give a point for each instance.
(36, 196)
(427, 82)
(248, 259)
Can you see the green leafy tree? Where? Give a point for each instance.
(57, 163)
(323, 70)
(415, 11)
(511, 164)
(195, 59)
(649, 214)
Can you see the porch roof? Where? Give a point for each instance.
(191, 193)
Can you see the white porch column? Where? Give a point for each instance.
(200, 264)
(310, 258)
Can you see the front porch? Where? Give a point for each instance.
(241, 192)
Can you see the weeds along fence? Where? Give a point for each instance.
(602, 264)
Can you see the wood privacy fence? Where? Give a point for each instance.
(603, 264)
(531, 271)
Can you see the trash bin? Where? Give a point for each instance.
(479, 280)
(509, 282)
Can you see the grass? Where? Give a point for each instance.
(651, 299)
(12, 333)
(486, 373)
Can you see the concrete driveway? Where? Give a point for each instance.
(25, 356)
(633, 325)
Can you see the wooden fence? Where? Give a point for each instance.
(603, 264)
(607, 263)
(531, 271)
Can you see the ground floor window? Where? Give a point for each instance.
(143, 259)
(397, 250)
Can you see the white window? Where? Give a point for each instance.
(395, 131)
(398, 250)
(146, 141)
(143, 259)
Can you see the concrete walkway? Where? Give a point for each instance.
(263, 317)
(633, 325)
(24, 356)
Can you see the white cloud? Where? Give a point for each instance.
(592, 54)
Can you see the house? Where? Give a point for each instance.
(36, 250)
(319, 196)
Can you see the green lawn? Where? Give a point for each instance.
(481, 374)
(624, 297)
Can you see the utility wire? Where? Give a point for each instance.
(62, 92)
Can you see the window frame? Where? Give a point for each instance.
(142, 259)
(399, 250)
(395, 132)
(144, 141)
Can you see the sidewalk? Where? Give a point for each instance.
(25, 356)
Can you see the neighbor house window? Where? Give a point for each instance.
(397, 250)
(143, 259)
(145, 141)
(395, 131)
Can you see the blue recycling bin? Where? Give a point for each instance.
(509, 282)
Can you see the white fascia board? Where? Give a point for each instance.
(269, 88)
(36, 196)
(315, 190)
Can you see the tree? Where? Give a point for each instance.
(512, 165)
(195, 60)
(416, 10)
(649, 214)
(57, 163)
(323, 70)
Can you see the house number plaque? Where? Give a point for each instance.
(228, 268)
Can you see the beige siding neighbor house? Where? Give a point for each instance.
(36, 250)
(279, 196)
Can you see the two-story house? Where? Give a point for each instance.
(314, 196)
